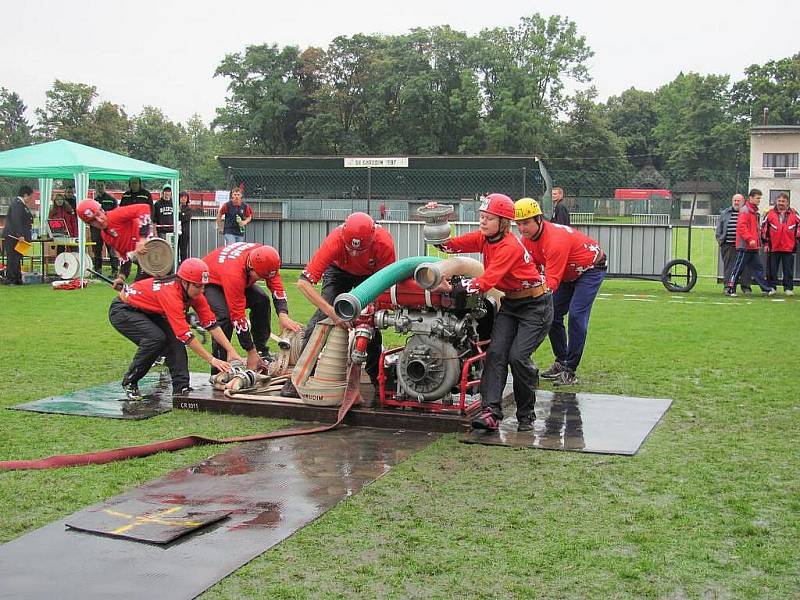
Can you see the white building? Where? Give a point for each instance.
(774, 166)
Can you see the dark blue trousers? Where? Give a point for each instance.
(573, 298)
(749, 258)
(783, 261)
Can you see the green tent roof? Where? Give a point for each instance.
(63, 159)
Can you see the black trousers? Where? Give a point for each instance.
(519, 328)
(183, 245)
(335, 281)
(781, 261)
(257, 302)
(97, 249)
(13, 263)
(154, 337)
(728, 252)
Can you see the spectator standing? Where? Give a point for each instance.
(779, 232)
(236, 214)
(726, 238)
(19, 221)
(164, 214)
(107, 203)
(185, 216)
(748, 243)
(560, 212)
(61, 209)
(69, 194)
(382, 211)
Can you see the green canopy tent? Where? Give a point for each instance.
(63, 159)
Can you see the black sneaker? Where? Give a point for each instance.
(730, 293)
(566, 377)
(525, 425)
(160, 361)
(132, 392)
(486, 420)
(183, 391)
(553, 371)
(289, 391)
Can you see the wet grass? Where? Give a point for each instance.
(707, 508)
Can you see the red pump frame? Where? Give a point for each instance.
(387, 397)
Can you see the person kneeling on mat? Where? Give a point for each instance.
(575, 266)
(125, 229)
(234, 272)
(152, 314)
(525, 314)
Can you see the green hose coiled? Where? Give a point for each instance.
(350, 304)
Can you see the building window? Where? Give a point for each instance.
(773, 195)
(773, 160)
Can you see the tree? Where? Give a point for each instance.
(156, 139)
(107, 129)
(774, 85)
(67, 111)
(204, 170)
(15, 131)
(522, 72)
(266, 98)
(696, 130)
(632, 116)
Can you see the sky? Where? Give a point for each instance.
(164, 53)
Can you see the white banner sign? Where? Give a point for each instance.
(222, 196)
(376, 161)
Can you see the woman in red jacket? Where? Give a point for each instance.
(524, 317)
(780, 232)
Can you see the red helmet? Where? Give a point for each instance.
(88, 209)
(358, 232)
(498, 204)
(194, 271)
(265, 261)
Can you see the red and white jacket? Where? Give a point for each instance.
(748, 236)
(780, 231)
(508, 266)
(167, 297)
(564, 252)
(126, 226)
(333, 252)
(227, 268)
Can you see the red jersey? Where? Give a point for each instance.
(747, 234)
(564, 252)
(65, 212)
(126, 226)
(780, 230)
(507, 264)
(227, 267)
(167, 297)
(334, 252)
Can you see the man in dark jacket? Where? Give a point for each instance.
(18, 227)
(726, 238)
(560, 212)
(107, 203)
(164, 213)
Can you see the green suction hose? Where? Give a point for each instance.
(350, 304)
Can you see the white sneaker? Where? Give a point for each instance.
(788, 293)
(771, 292)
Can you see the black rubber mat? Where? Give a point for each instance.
(144, 522)
(580, 422)
(109, 401)
(271, 490)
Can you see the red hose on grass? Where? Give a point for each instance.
(351, 395)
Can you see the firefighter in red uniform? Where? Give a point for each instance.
(525, 314)
(152, 314)
(234, 271)
(574, 266)
(125, 229)
(350, 254)
(780, 231)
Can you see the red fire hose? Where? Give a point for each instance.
(351, 395)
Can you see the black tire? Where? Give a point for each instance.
(685, 271)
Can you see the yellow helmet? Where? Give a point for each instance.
(526, 208)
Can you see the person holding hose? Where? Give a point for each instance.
(152, 314)
(575, 266)
(525, 314)
(350, 254)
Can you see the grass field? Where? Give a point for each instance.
(707, 509)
